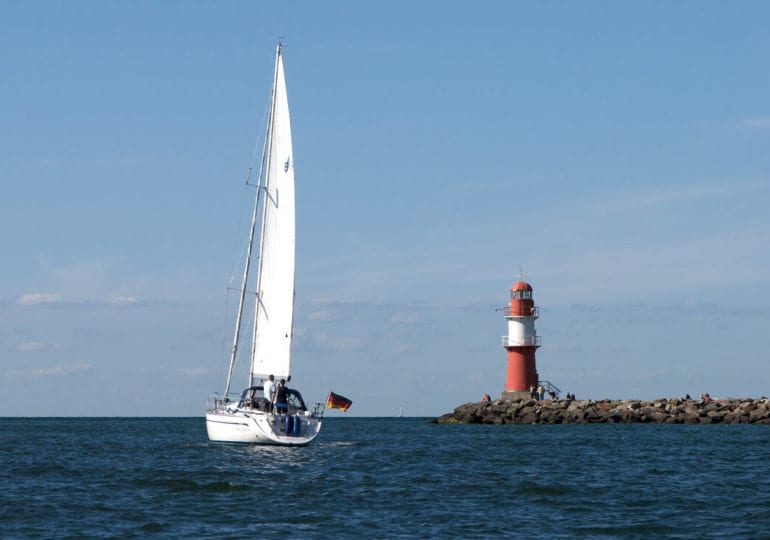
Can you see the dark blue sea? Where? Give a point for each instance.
(383, 478)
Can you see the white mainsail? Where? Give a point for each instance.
(271, 352)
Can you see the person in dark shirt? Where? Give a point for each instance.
(281, 397)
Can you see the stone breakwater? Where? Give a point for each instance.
(660, 411)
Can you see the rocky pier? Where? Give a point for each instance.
(610, 411)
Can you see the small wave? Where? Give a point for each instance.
(338, 443)
(152, 527)
(185, 485)
(549, 490)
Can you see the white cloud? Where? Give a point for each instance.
(636, 201)
(339, 343)
(120, 301)
(123, 300)
(27, 346)
(323, 315)
(407, 318)
(195, 371)
(91, 162)
(755, 123)
(54, 371)
(35, 299)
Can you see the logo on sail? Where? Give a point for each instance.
(286, 165)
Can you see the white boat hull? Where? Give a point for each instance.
(259, 427)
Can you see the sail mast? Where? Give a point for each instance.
(268, 147)
(244, 281)
(250, 248)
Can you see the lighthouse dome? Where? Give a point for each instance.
(521, 286)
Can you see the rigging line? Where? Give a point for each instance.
(225, 333)
(238, 289)
(260, 138)
(262, 170)
(239, 370)
(262, 129)
(242, 295)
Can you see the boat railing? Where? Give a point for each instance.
(218, 402)
(318, 411)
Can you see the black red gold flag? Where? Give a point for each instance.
(336, 401)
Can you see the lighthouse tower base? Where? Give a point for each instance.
(515, 396)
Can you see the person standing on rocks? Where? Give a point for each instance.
(540, 392)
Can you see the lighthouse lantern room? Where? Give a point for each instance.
(521, 343)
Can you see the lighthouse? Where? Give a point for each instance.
(521, 343)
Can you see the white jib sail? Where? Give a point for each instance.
(275, 310)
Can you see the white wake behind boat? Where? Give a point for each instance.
(250, 417)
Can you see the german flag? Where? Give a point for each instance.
(336, 401)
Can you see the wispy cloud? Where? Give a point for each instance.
(57, 300)
(662, 196)
(395, 312)
(755, 123)
(92, 162)
(407, 318)
(53, 371)
(326, 310)
(27, 346)
(35, 299)
(194, 371)
(124, 300)
(342, 343)
(323, 315)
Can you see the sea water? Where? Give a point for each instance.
(383, 478)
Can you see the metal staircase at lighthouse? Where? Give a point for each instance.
(550, 388)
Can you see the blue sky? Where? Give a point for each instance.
(618, 153)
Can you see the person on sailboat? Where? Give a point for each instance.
(269, 389)
(281, 395)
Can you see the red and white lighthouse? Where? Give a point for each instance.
(521, 343)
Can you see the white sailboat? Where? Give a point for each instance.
(251, 418)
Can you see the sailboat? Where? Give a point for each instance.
(252, 417)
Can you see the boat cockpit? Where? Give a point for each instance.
(254, 398)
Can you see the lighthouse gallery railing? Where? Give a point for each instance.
(531, 341)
